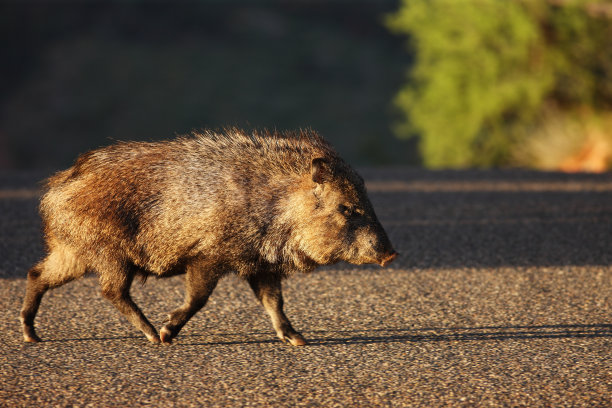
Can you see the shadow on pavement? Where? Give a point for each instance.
(433, 334)
(469, 334)
(94, 338)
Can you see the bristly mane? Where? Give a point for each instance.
(286, 151)
(270, 152)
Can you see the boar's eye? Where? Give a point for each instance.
(349, 212)
(344, 210)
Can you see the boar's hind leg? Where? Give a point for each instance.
(267, 288)
(35, 289)
(116, 288)
(199, 284)
(59, 267)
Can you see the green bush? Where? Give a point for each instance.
(487, 71)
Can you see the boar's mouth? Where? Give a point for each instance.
(388, 259)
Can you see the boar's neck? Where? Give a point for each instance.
(281, 244)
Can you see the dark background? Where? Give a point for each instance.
(78, 75)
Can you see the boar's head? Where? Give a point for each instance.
(339, 223)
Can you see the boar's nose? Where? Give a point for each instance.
(388, 258)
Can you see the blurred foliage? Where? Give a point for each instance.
(489, 74)
(80, 75)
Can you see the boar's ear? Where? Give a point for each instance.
(320, 170)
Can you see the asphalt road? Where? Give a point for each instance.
(502, 296)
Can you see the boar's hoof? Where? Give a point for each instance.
(298, 342)
(33, 338)
(153, 339)
(29, 335)
(165, 336)
(294, 339)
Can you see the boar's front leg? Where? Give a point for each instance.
(200, 282)
(267, 288)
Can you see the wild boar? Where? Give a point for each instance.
(263, 205)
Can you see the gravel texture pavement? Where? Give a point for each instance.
(501, 296)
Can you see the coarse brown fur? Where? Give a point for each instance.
(264, 205)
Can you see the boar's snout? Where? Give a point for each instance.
(375, 248)
(385, 254)
(386, 260)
